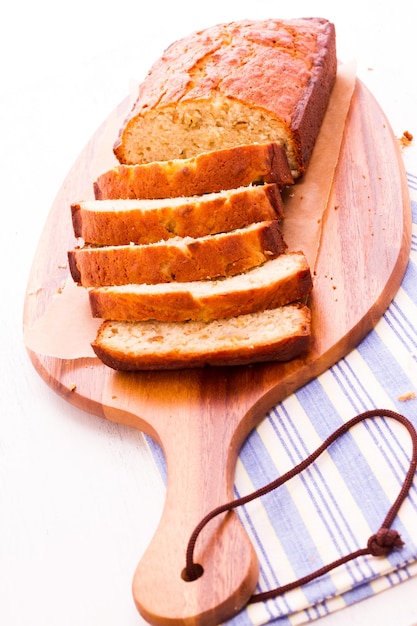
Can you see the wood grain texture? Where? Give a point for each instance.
(201, 417)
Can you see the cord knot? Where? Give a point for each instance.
(384, 542)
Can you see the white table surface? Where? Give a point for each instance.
(80, 497)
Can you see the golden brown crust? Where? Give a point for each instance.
(182, 260)
(278, 282)
(284, 346)
(205, 173)
(120, 222)
(284, 69)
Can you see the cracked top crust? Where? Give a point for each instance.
(267, 80)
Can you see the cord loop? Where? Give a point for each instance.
(382, 543)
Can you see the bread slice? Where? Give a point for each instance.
(207, 172)
(181, 259)
(275, 283)
(231, 84)
(279, 334)
(121, 222)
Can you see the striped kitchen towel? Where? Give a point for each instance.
(335, 505)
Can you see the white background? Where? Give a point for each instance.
(80, 497)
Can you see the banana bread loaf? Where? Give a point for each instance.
(237, 83)
(275, 283)
(206, 172)
(279, 334)
(121, 222)
(181, 259)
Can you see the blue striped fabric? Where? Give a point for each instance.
(342, 499)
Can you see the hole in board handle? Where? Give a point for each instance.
(192, 573)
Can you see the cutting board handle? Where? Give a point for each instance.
(200, 441)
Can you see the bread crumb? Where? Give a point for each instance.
(410, 395)
(61, 288)
(72, 387)
(406, 139)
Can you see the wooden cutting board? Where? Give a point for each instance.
(201, 417)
